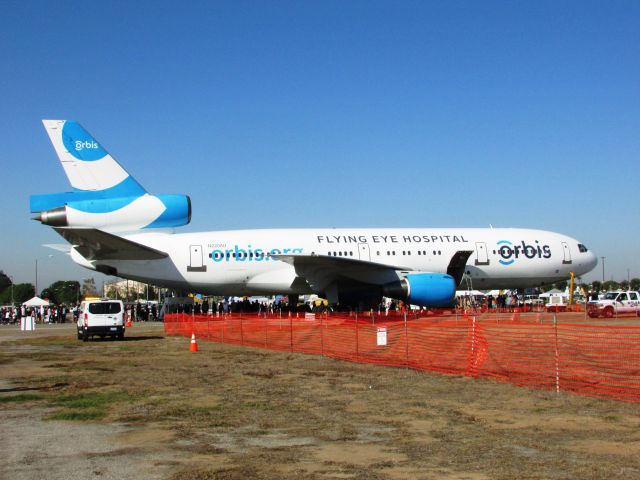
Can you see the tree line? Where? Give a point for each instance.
(68, 292)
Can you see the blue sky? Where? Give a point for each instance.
(302, 114)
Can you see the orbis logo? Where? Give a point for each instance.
(81, 145)
(510, 251)
(249, 254)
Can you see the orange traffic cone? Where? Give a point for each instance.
(194, 345)
(129, 324)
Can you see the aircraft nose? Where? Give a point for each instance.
(592, 261)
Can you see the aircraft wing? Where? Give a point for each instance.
(95, 244)
(321, 270)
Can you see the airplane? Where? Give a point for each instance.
(116, 227)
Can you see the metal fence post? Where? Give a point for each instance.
(322, 333)
(472, 356)
(406, 341)
(291, 330)
(357, 346)
(555, 327)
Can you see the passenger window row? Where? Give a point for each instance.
(390, 253)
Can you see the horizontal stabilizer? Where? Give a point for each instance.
(60, 247)
(95, 244)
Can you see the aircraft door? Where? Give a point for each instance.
(365, 253)
(566, 252)
(482, 258)
(195, 259)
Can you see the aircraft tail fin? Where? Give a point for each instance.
(89, 167)
(104, 195)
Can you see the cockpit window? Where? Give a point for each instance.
(582, 248)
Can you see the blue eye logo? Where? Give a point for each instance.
(505, 250)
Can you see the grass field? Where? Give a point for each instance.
(148, 408)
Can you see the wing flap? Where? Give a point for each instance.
(95, 244)
(322, 270)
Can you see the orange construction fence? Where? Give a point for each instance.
(595, 360)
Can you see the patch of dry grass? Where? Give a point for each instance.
(249, 413)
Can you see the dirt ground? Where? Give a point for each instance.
(148, 408)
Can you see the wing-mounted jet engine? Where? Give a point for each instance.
(430, 289)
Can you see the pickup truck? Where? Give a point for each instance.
(615, 303)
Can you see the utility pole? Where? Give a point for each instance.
(36, 292)
(603, 268)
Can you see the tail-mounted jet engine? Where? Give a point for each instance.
(120, 213)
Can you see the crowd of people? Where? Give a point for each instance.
(152, 311)
(63, 313)
(501, 303)
(142, 312)
(227, 305)
(51, 314)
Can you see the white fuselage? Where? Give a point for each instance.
(239, 262)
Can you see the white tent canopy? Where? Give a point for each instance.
(36, 302)
(470, 293)
(495, 293)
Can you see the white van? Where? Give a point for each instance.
(101, 317)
